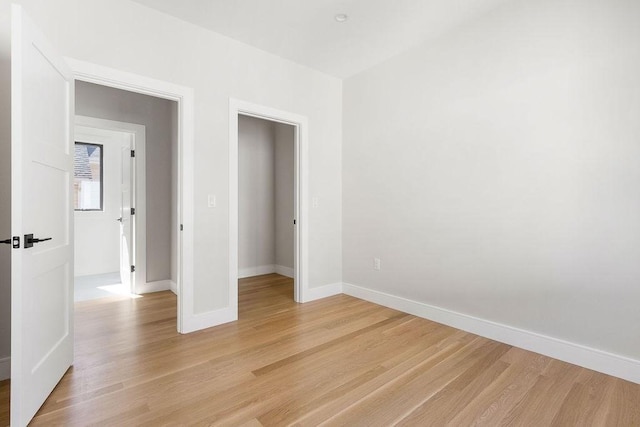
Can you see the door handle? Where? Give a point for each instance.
(6, 242)
(29, 240)
(42, 240)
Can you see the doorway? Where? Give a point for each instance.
(149, 263)
(188, 320)
(239, 110)
(266, 205)
(110, 208)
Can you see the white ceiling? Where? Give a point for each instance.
(306, 32)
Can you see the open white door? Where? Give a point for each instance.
(126, 226)
(41, 206)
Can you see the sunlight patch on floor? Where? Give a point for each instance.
(101, 286)
(119, 289)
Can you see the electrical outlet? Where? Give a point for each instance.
(376, 263)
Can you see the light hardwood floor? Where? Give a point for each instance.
(339, 361)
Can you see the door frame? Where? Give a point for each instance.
(105, 76)
(138, 143)
(301, 172)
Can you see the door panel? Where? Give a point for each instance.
(41, 204)
(126, 226)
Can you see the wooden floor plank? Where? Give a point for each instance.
(439, 409)
(536, 406)
(5, 387)
(495, 401)
(336, 361)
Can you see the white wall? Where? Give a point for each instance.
(266, 197)
(256, 196)
(495, 172)
(284, 194)
(5, 197)
(97, 233)
(155, 114)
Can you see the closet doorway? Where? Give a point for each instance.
(266, 200)
(268, 186)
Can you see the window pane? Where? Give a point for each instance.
(87, 173)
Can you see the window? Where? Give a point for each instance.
(87, 173)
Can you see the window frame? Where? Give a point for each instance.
(101, 146)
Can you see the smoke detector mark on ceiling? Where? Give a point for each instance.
(341, 17)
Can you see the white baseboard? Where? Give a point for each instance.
(265, 269)
(209, 319)
(284, 271)
(5, 368)
(173, 287)
(256, 271)
(577, 354)
(319, 292)
(157, 286)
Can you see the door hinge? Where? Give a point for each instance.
(294, 222)
(133, 211)
(133, 153)
(133, 268)
(181, 227)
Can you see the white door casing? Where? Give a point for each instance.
(188, 319)
(41, 204)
